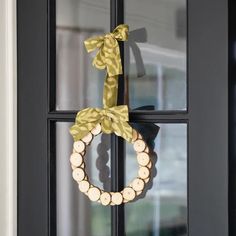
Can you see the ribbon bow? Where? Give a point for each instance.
(108, 55)
(112, 119)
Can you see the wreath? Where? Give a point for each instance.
(90, 122)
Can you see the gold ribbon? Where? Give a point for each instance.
(110, 91)
(112, 120)
(108, 56)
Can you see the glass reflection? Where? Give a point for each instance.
(155, 55)
(78, 83)
(76, 214)
(163, 211)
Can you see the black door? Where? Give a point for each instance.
(176, 85)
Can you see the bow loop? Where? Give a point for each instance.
(114, 119)
(120, 112)
(108, 56)
(121, 32)
(82, 116)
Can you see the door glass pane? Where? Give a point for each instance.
(78, 83)
(162, 209)
(76, 214)
(155, 55)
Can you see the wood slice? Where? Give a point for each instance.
(143, 172)
(88, 138)
(78, 174)
(97, 130)
(94, 194)
(79, 146)
(84, 186)
(117, 198)
(138, 184)
(105, 198)
(139, 145)
(129, 193)
(76, 159)
(143, 158)
(135, 135)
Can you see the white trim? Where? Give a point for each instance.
(8, 160)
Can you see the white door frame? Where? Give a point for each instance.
(8, 96)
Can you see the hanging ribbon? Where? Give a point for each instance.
(112, 120)
(110, 91)
(108, 55)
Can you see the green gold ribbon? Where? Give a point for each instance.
(110, 91)
(112, 120)
(108, 55)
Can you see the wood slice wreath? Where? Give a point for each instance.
(94, 193)
(111, 118)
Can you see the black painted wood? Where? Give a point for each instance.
(32, 70)
(232, 118)
(51, 55)
(117, 144)
(207, 119)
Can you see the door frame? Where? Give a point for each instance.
(208, 207)
(8, 81)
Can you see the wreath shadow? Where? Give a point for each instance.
(149, 132)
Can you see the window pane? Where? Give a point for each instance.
(76, 214)
(155, 55)
(162, 210)
(78, 83)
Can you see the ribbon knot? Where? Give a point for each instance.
(112, 120)
(107, 114)
(104, 112)
(108, 55)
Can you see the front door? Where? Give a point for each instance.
(175, 83)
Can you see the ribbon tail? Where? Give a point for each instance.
(120, 113)
(78, 131)
(99, 60)
(92, 43)
(110, 91)
(106, 125)
(123, 129)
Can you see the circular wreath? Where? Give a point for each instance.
(94, 193)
